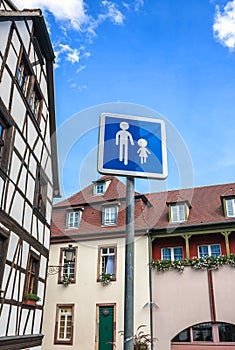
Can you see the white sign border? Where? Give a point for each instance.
(128, 173)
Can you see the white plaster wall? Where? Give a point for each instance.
(12, 246)
(27, 217)
(224, 292)
(5, 87)
(18, 109)
(24, 34)
(181, 299)
(43, 85)
(4, 319)
(19, 143)
(16, 210)
(12, 60)
(43, 265)
(87, 293)
(4, 32)
(15, 168)
(15, 42)
(24, 314)
(12, 323)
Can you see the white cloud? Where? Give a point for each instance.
(80, 69)
(72, 11)
(111, 12)
(71, 55)
(224, 25)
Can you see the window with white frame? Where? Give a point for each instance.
(178, 212)
(230, 207)
(64, 324)
(73, 219)
(172, 253)
(109, 215)
(100, 187)
(68, 269)
(209, 250)
(107, 261)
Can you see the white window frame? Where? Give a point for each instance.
(65, 311)
(209, 249)
(68, 268)
(178, 212)
(73, 219)
(230, 207)
(109, 215)
(100, 187)
(110, 251)
(172, 252)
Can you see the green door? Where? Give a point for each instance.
(105, 327)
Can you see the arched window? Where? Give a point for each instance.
(207, 332)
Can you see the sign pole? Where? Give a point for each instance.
(129, 266)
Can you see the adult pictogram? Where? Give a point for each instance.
(123, 137)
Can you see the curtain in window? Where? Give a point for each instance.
(110, 265)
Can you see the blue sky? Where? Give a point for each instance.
(145, 57)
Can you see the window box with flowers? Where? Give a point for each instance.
(208, 262)
(105, 279)
(66, 280)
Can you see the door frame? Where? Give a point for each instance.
(97, 322)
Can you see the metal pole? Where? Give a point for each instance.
(129, 266)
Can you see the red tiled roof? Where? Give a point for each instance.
(205, 208)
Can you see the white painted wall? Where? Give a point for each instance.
(87, 292)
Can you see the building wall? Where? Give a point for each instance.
(23, 229)
(187, 302)
(87, 293)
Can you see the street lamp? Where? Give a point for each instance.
(69, 257)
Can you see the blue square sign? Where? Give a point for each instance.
(132, 146)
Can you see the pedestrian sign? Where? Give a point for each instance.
(132, 146)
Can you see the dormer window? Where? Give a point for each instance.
(73, 219)
(109, 215)
(230, 207)
(100, 187)
(178, 212)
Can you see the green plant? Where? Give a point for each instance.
(141, 340)
(32, 297)
(105, 278)
(66, 280)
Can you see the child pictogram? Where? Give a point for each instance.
(143, 151)
(123, 137)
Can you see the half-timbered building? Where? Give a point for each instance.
(28, 173)
(184, 268)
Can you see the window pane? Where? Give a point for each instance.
(178, 255)
(73, 219)
(215, 250)
(166, 254)
(230, 205)
(178, 213)
(203, 251)
(183, 336)
(202, 332)
(226, 332)
(110, 215)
